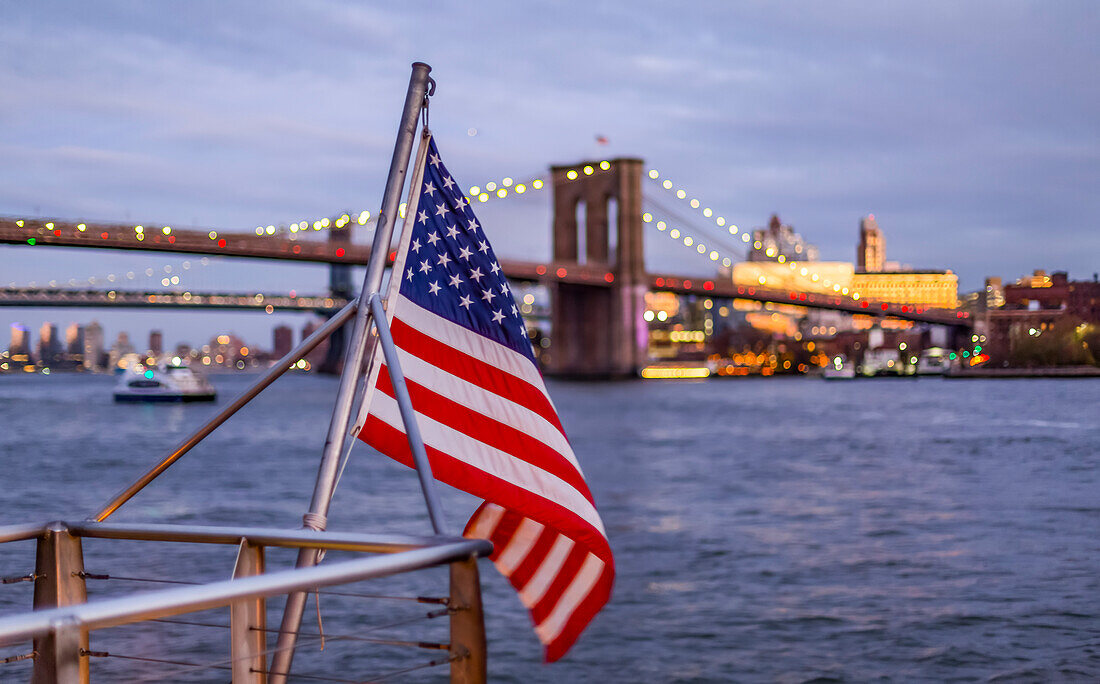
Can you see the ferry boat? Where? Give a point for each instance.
(881, 362)
(839, 369)
(172, 382)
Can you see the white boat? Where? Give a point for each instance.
(881, 362)
(170, 382)
(839, 369)
(933, 361)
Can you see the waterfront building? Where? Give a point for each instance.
(120, 351)
(937, 289)
(1039, 303)
(93, 346)
(821, 276)
(19, 348)
(871, 254)
(779, 239)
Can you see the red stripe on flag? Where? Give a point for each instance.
(474, 370)
(488, 431)
(580, 618)
(445, 468)
(561, 580)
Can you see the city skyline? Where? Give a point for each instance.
(957, 126)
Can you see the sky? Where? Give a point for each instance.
(971, 130)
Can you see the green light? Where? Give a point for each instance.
(977, 349)
(953, 356)
(149, 374)
(966, 354)
(31, 241)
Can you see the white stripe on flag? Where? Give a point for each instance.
(487, 521)
(536, 587)
(527, 531)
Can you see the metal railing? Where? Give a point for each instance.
(62, 618)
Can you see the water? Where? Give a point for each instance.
(765, 530)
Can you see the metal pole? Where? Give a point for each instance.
(281, 366)
(353, 364)
(408, 416)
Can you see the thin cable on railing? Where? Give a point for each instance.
(97, 576)
(17, 658)
(15, 579)
(419, 599)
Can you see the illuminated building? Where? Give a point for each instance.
(820, 276)
(779, 239)
(871, 255)
(74, 344)
(938, 289)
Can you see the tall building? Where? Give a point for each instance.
(779, 239)
(74, 344)
(19, 349)
(317, 356)
(994, 293)
(49, 346)
(156, 342)
(284, 341)
(93, 346)
(871, 256)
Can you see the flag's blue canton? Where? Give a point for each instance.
(451, 270)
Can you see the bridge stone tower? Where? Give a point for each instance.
(339, 285)
(598, 330)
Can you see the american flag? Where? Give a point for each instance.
(488, 424)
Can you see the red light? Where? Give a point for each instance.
(297, 249)
(884, 307)
(57, 232)
(687, 284)
(740, 290)
(802, 297)
(904, 309)
(752, 290)
(864, 305)
(561, 272)
(221, 242)
(708, 285)
(659, 282)
(609, 277)
(171, 239)
(293, 294)
(339, 251)
(102, 235)
(541, 270)
(393, 256)
(793, 296)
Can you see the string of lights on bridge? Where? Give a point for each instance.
(798, 267)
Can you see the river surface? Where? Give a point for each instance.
(782, 530)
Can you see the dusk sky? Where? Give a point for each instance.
(971, 130)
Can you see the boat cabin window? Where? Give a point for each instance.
(144, 383)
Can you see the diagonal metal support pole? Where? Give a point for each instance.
(408, 416)
(353, 366)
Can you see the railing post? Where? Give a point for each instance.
(247, 622)
(468, 664)
(59, 581)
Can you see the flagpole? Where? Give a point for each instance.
(353, 363)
